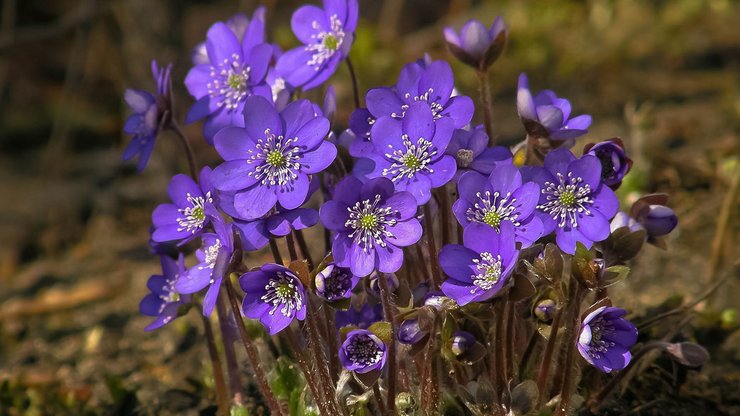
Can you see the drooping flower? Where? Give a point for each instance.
(432, 85)
(479, 269)
(476, 45)
(606, 338)
(362, 352)
(614, 161)
(546, 115)
(471, 152)
(213, 259)
(240, 24)
(412, 153)
(271, 157)
(164, 301)
(371, 223)
(236, 71)
(151, 112)
(274, 295)
(334, 283)
(500, 197)
(573, 201)
(187, 216)
(327, 35)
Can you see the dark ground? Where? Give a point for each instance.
(663, 75)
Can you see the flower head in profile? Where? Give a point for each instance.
(651, 214)
(327, 35)
(472, 154)
(274, 295)
(432, 85)
(606, 338)
(614, 161)
(479, 269)
(213, 258)
(476, 45)
(371, 222)
(334, 283)
(547, 115)
(236, 70)
(188, 214)
(500, 197)
(573, 201)
(271, 157)
(151, 112)
(164, 301)
(362, 352)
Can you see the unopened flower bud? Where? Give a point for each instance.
(409, 332)
(545, 310)
(476, 45)
(614, 161)
(461, 343)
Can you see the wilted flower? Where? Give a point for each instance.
(500, 197)
(334, 283)
(187, 216)
(362, 352)
(547, 115)
(614, 161)
(327, 35)
(606, 338)
(271, 157)
(477, 45)
(481, 268)
(573, 201)
(274, 295)
(164, 301)
(151, 111)
(371, 223)
(472, 154)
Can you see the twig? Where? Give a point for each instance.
(222, 395)
(188, 149)
(355, 88)
(385, 297)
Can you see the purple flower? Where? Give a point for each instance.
(187, 215)
(481, 268)
(461, 343)
(362, 318)
(411, 153)
(471, 152)
(236, 70)
(622, 219)
(547, 115)
(409, 332)
(432, 85)
(150, 113)
(498, 198)
(327, 35)
(477, 45)
(271, 157)
(335, 283)
(213, 259)
(651, 212)
(606, 338)
(614, 161)
(573, 202)
(362, 352)
(371, 223)
(164, 302)
(274, 295)
(239, 24)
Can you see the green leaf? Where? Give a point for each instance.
(614, 274)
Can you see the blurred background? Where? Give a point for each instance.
(663, 75)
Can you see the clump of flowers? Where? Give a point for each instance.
(441, 252)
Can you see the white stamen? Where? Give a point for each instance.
(566, 200)
(369, 221)
(194, 216)
(277, 159)
(229, 82)
(413, 158)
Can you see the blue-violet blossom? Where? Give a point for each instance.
(362, 352)
(606, 338)
(274, 295)
(164, 301)
(546, 115)
(187, 216)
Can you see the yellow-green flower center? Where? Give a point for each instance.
(236, 82)
(492, 218)
(275, 158)
(198, 213)
(567, 198)
(284, 290)
(368, 221)
(411, 161)
(331, 42)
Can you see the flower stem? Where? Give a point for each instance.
(355, 89)
(432, 246)
(291, 247)
(275, 252)
(510, 315)
(385, 297)
(571, 338)
(379, 400)
(222, 394)
(313, 384)
(188, 149)
(327, 388)
(531, 345)
(547, 357)
(304, 248)
(232, 365)
(444, 202)
(484, 89)
(500, 347)
(330, 316)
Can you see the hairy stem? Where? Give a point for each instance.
(547, 356)
(484, 90)
(222, 394)
(304, 248)
(355, 89)
(188, 149)
(388, 312)
(232, 365)
(275, 252)
(432, 246)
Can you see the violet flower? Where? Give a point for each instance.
(236, 71)
(622, 219)
(409, 332)
(500, 197)
(164, 301)
(606, 338)
(461, 342)
(573, 201)
(335, 283)
(476, 45)
(481, 268)
(371, 223)
(614, 161)
(151, 112)
(361, 317)
(432, 85)
(274, 295)
(213, 259)
(239, 24)
(186, 217)
(651, 212)
(472, 154)
(546, 115)
(327, 35)
(362, 352)
(411, 153)
(271, 157)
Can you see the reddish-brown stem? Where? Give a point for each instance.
(484, 90)
(291, 247)
(222, 394)
(547, 356)
(188, 149)
(432, 247)
(388, 312)
(275, 252)
(304, 248)
(232, 365)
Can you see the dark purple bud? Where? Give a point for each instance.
(545, 310)
(476, 45)
(614, 161)
(439, 301)
(461, 343)
(409, 332)
(373, 286)
(658, 221)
